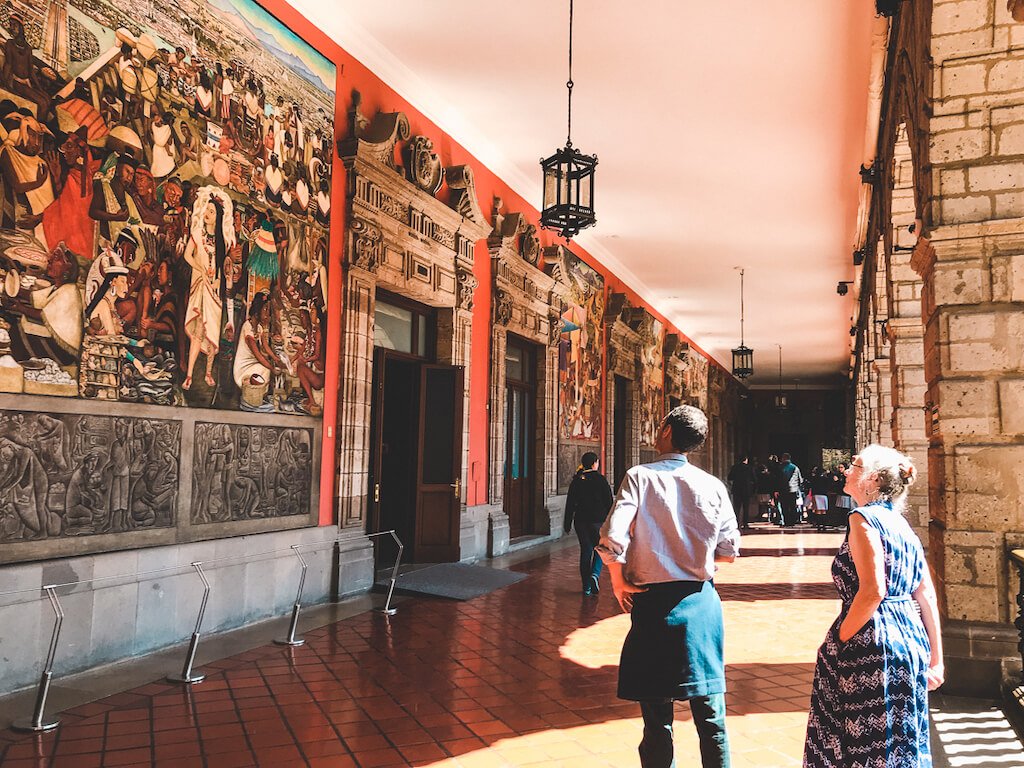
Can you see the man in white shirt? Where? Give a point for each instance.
(670, 524)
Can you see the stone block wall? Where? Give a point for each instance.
(974, 319)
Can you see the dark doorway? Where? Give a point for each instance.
(395, 417)
(621, 426)
(416, 438)
(520, 409)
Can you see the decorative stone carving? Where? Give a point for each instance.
(423, 168)
(554, 329)
(502, 307)
(616, 303)
(357, 121)
(380, 136)
(463, 187)
(530, 245)
(676, 347)
(366, 245)
(242, 472)
(467, 285)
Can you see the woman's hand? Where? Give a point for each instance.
(936, 676)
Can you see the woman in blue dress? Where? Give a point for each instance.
(869, 701)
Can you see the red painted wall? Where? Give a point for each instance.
(376, 95)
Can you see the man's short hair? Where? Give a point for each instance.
(588, 459)
(786, 457)
(689, 427)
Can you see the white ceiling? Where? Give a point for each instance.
(728, 134)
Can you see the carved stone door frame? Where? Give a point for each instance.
(401, 238)
(527, 301)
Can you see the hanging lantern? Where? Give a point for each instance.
(742, 356)
(568, 204)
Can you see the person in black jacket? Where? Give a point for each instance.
(588, 504)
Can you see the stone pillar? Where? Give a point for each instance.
(354, 400)
(497, 524)
(972, 267)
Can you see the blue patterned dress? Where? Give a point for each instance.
(869, 701)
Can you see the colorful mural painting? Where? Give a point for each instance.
(697, 379)
(652, 384)
(165, 189)
(580, 353)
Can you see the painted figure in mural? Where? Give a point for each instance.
(67, 220)
(255, 360)
(212, 235)
(27, 175)
(112, 205)
(106, 283)
(19, 70)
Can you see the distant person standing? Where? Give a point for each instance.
(587, 505)
(792, 480)
(744, 489)
(671, 524)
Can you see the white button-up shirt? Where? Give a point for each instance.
(669, 521)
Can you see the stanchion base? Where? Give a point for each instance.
(386, 611)
(195, 677)
(294, 643)
(28, 725)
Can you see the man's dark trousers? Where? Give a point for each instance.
(589, 535)
(656, 749)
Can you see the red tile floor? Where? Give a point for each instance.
(523, 676)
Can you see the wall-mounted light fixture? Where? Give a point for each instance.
(844, 287)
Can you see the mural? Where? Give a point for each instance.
(164, 204)
(244, 473)
(580, 353)
(65, 475)
(652, 382)
(697, 380)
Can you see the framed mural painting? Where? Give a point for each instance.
(164, 222)
(165, 188)
(580, 353)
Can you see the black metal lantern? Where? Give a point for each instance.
(742, 356)
(568, 179)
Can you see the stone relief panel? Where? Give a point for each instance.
(580, 351)
(72, 475)
(243, 472)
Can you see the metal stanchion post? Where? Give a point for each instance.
(187, 676)
(387, 610)
(37, 724)
(292, 639)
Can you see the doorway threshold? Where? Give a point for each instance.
(524, 542)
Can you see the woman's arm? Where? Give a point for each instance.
(869, 560)
(925, 597)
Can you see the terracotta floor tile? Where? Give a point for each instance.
(524, 676)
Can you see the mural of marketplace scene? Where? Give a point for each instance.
(289, 326)
(165, 184)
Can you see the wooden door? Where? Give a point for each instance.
(439, 477)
